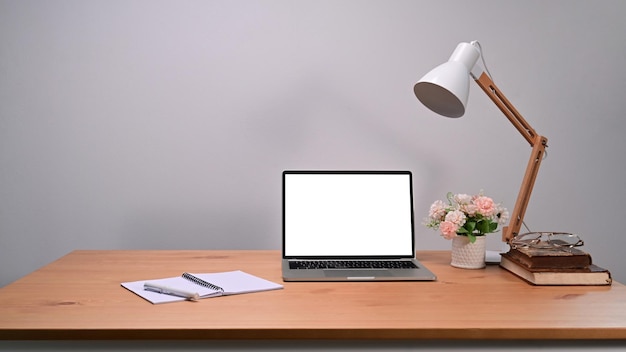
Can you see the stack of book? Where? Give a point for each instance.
(554, 266)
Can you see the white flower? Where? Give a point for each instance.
(504, 215)
(437, 210)
(463, 199)
(456, 217)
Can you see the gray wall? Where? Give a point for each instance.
(166, 124)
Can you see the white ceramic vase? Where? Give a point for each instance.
(468, 255)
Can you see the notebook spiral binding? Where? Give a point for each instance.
(201, 282)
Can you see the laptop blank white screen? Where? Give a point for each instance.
(348, 214)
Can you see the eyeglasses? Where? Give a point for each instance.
(546, 240)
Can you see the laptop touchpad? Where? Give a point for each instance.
(356, 273)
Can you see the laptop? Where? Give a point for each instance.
(349, 226)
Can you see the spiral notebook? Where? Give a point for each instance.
(204, 285)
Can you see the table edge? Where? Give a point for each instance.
(317, 334)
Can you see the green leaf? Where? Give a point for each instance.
(470, 226)
(486, 226)
(472, 238)
(450, 197)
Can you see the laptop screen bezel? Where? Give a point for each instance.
(348, 172)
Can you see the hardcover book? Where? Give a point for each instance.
(590, 275)
(548, 258)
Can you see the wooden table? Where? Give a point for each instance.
(79, 297)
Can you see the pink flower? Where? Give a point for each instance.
(448, 229)
(485, 206)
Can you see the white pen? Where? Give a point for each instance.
(154, 287)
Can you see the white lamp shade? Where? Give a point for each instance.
(445, 89)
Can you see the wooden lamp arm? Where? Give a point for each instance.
(538, 144)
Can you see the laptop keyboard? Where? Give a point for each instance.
(351, 264)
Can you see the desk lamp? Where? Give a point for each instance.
(445, 90)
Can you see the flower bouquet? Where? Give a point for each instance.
(466, 215)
